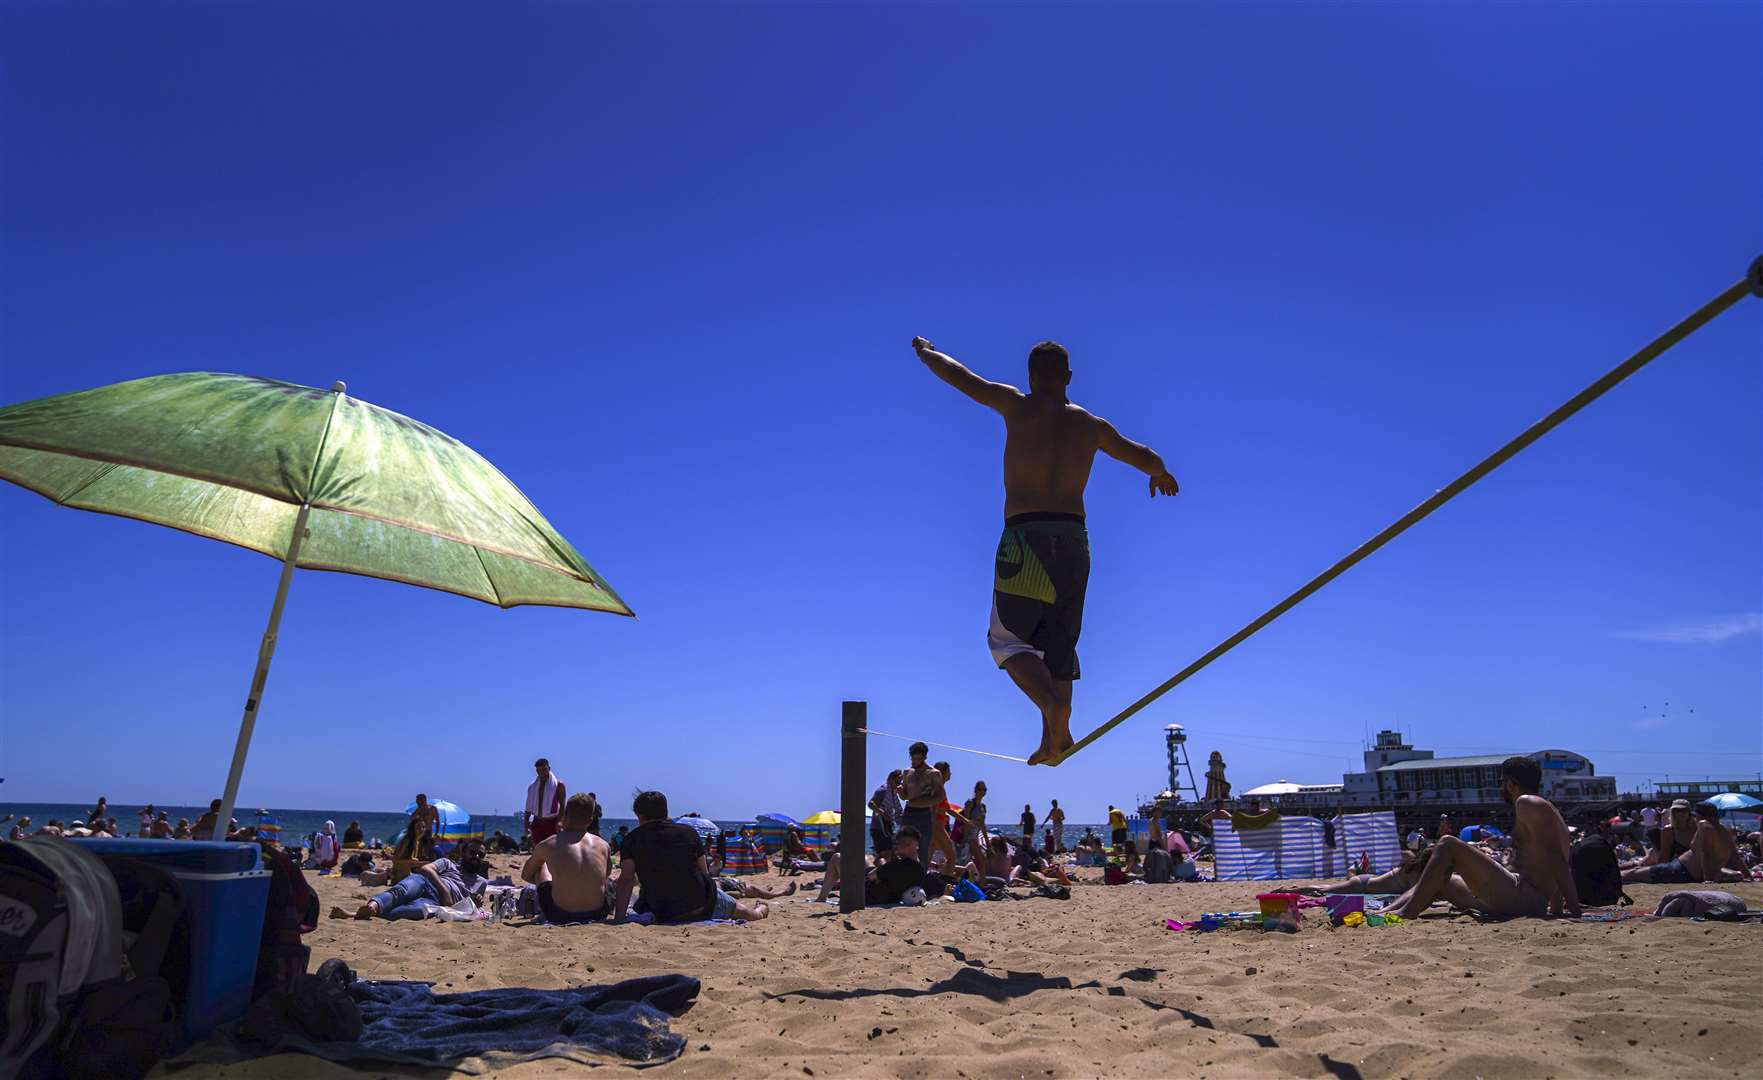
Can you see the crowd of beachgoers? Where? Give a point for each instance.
(922, 846)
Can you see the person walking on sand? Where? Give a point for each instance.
(1043, 558)
(1056, 821)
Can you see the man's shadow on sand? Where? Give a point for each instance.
(972, 979)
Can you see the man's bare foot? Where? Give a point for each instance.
(1059, 740)
(1040, 754)
(790, 889)
(367, 911)
(339, 913)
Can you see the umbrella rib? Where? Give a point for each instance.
(497, 593)
(109, 467)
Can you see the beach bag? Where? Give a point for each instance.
(73, 1007)
(291, 910)
(967, 893)
(1596, 877)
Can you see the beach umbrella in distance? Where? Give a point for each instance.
(1733, 800)
(707, 830)
(313, 478)
(455, 822)
(825, 817)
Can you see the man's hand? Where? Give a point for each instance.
(921, 346)
(1164, 484)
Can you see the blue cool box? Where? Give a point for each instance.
(225, 889)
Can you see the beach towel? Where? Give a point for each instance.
(1701, 903)
(1243, 822)
(547, 803)
(408, 1023)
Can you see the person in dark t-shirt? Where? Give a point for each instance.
(887, 883)
(666, 860)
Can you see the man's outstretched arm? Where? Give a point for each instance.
(955, 373)
(1140, 457)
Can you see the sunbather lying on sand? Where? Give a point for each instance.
(1390, 883)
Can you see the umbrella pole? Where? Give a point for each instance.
(265, 653)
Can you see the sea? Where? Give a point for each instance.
(297, 825)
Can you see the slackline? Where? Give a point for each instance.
(1752, 283)
(945, 746)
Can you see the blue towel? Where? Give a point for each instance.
(408, 1023)
(627, 1020)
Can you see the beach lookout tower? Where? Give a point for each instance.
(1175, 741)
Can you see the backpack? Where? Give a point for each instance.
(290, 911)
(1596, 877)
(76, 1004)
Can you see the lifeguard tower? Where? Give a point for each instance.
(1175, 741)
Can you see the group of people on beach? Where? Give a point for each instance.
(154, 824)
(923, 844)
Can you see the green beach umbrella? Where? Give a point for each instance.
(314, 478)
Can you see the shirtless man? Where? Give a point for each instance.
(1540, 880)
(428, 813)
(1043, 559)
(1709, 852)
(571, 868)
(922, 788)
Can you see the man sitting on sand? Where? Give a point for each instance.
(992, 865)
(667, 860)
(1043, 558)
(887, 883)
(571, 869)
(1540, 880)
(1711, 851)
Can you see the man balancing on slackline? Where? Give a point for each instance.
(1043, 562)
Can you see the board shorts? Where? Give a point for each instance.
(563, 917)
(1042, 569)
(1668, 873)
(544, 828)
(1118, 837)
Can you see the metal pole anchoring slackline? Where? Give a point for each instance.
(1751, 284)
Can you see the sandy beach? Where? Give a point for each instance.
(1096, 986)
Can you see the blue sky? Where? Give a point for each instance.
(661, 264)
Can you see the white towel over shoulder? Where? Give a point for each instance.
(546, 804)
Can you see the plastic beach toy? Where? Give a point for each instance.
(1279, 911)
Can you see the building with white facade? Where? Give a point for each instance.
(1396, 775)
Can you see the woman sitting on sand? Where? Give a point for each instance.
(325, 848)
(417, 847)
(352, 837)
